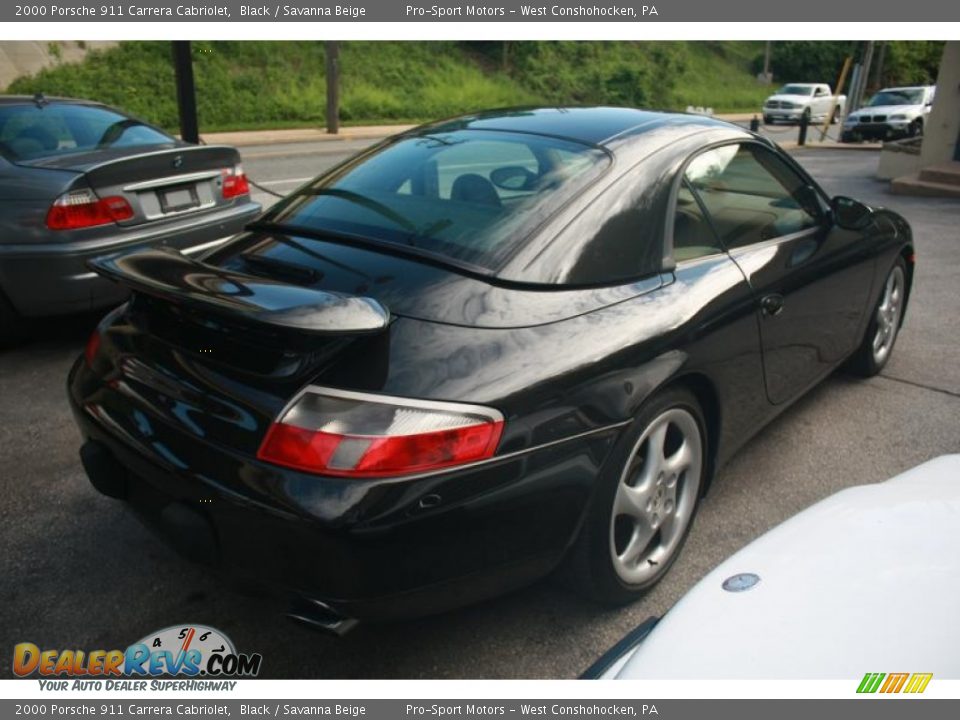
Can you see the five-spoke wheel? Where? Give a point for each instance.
(888, 315)
(884, 326)
(656, 495)
(644, 506)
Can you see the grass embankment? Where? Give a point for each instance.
(256, 85)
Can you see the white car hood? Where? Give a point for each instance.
(867, 580)
(909, 110)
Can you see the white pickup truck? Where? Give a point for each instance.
(791, 102)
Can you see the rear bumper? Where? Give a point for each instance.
(366, 549)
(53, 278)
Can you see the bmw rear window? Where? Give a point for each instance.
(469, 196)
(41, 130)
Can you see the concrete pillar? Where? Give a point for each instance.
(942, 132)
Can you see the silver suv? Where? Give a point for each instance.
(892, 113)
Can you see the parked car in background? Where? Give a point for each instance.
(891, 114)
(479, 349)
(79, 180)
(863, 582)
(814, 101)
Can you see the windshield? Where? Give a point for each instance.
(469, 196)
(804, 90)
(907, 96)
(29, 132)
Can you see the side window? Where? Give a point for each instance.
(692, 235)
(751, 195)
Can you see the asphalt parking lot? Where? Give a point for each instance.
(79, 572)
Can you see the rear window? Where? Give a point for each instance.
(468, 196)
(29, 132)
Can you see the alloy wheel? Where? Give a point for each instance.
(656, 496)
(888, 315)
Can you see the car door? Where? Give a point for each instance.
(811, 279)
(821, 102)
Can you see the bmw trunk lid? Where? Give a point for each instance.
(159, 183)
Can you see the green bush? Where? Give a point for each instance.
(243, 84)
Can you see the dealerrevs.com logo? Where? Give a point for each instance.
(180, 650)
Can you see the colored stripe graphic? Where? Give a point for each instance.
(894, 682)
(918, 682)
(870, 682)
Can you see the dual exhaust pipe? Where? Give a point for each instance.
(193, 536)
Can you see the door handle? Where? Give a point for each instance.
(771, 304)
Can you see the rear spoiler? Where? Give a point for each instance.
(170, 276)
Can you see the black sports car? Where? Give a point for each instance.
(480, 349)
(79, 180)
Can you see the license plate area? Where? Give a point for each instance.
(178, 198)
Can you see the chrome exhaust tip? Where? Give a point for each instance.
(317, 615)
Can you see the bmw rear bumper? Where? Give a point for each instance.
(366, 549)
(53, 278)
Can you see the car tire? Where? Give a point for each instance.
(767, 120)
(884, 326)
(645, 502)
(916, 128)
(835, 117)
(11, 324)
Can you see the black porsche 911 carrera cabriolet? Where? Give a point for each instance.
(478, 350)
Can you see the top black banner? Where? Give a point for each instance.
(495, 11)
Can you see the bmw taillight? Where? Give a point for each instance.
(347, 434)
(82, 208)
(235, 183)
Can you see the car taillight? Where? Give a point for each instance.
(235, 183)
(82, 208)
(91, 348)
(347, 434)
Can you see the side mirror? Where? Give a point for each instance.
(850, 214)
(513, 178)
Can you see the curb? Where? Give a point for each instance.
(293, 136)
(868, 147)
(301, 135)
(245, 138)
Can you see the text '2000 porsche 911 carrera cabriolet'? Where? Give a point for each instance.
(480, 350)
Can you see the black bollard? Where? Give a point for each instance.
(804, 122)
